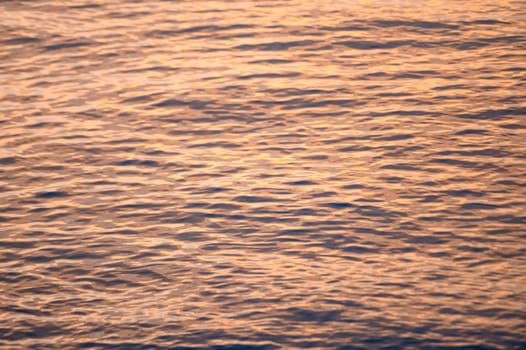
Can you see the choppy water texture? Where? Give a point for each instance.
(262, 174)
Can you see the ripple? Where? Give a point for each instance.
(262, 175)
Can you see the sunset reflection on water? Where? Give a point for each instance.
(262, 174)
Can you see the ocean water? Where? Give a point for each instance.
(262, 174)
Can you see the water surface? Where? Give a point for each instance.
(262, 174)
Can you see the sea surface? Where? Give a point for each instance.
(263, 174)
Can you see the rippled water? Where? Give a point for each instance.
(262, 174)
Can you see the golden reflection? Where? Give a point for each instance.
(270, 174)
